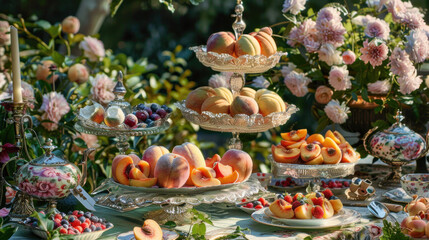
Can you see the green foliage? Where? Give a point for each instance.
(392, 231)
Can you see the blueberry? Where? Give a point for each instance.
(169, 110)
(154, 107)
(87, 230)
(98, 228)
(62, 215)
(333, 198)
(64, 222)
(92, 227)
(80, 213)
(70, 213)
(34, 224)
(318, 194)
(87, 214)
(155, 117)
(72, 219)
(66, 226)
(148, 110)
(280, 196)
(164, 106)
(82, 219)
(302, 202)
(148, 121)
(102, 220)
(94, 219)
(109, 225)
(256, 203)
(140, 106)
(151, 124)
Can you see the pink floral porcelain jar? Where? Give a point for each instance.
(398, 145)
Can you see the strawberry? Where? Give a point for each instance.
(75, 212)
(79, 228)
(258, 207)
(317, 201)
(296, 204)
(328, 193)
(317, 212)
(63, 231)
(288, 198)
(84, 225)
(249, 205)
(243, 200)
(263, 201)
(58, 216)
(71, 232)
(76, 223)
(346, 184)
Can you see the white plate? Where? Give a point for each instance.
(248, 210)
(349, 217)
(166, 235)
(337, 218)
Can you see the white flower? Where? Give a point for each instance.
(417, 45)
(220, 80)
(2, 80)
(339, 78)
(293, 6)
(329, 54)
(379, 87)
(297, 83)
(92, 48)
(337, 112)
(288, 69)
(409, 83)
(260, 82)
(427, 81)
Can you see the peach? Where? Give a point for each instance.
(97, 114)
(315, 138)
(296, 145)
(172, 171)
(427, 230)
(149, 231)
(415, 208)
(282, 209)
(266, 30)
(225, 93)
(304, 211)
(144, 167)
(192, 154)
(240, 161)
(286, 143)
(317, 161)
(331, 135)
(309, 151)
(244, 105)
(44, 73)
(222, 170)
(337, 205)
(283, 155)
(270, 102)
(340, 137)
(349, 155)
(413, 226)
(114, 116)
(261, 92)
(204, 177)
(267, 43)
(230, 178)
(221, 42)
(295, 135)
(197, 97)
(122, 170)
(135, 173)
(331, 155)
(216, 104)
(248, 92)
(151, 155)
(147, 182)
(211, 161)
(327, 208)
(247, 45)
(329, 142)
(115, 162)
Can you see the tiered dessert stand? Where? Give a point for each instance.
(240, 123)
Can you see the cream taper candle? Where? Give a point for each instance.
(16, 70)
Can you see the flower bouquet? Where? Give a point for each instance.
(368, 53)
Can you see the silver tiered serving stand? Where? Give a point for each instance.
(240, 123)
(314, 172)
(122, 133)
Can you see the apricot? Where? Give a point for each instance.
(337, 205)
(147, 182)
(349, 155)
(283, 155)
(222, 170)
(331, 135)
(286, 143)
(172, 171)
(315, 138)
(317, 161)
(204, 177)
(309, 151)
(221, 42)
(144, 167)
(282, 209)
(271, 102)
(149, 231)
(331, 155)
(233, 178)
(211, 161)
(248, 92)
(295, 135)
(267, 43)
(329, 142)
(192, 154)
(340, 137)
(197, 97)
(244, 105)
(327, 209)
(122, 170)
(304, 211)
(135, 173)
(216, 104)
(240, 161)
(151, 155)
(247, 45)
(225, 93)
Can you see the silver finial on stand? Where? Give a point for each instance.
(119, 90)
(239, 25)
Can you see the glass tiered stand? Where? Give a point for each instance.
(240, 123)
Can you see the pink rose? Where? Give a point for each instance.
(400, 63)
(27, 187)
(46, 189)
(349, 57)
(297, 83)
(49, 172)
(293, 6)
(337, 112)
(44, 73)
(92, 48)
(329, 54)
(328, 14)
(379, 87)
(361, 20)
(417, 45)
(4, 212)
(78, 73)
(220, 80)
(102, 89)
(409, 83)
(323, 94)
(4, 33)
(305, 34)
(54, 107)
(377, 29)
(339, 78)
(70, 25)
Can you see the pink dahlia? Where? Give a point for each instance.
(409, 83)
(293, 6)
(329, 54)
(328, 14)
(297, 83)
(377, 28)
(379, 87)
(339, 78)
(374, 53)
(220, 80)
(4, 33)
(397, 8)
(331, 32)
(417, 45)
(337, 112)
(307, 30)
(54, 107)
(349, 57)
(4, 212)
(311, 44)
(400, 63)
(46, 189)
(92, 48)
(413, 19)
(102, 89)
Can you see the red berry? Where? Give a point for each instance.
(63, 231)
(296, 204)
(323, 182)
(79, 228)
(288, 199)
(331, 184)
(58, 216)
(243, 200)
(317, 212)
(75, 212)
(263, 174)
(328, 193)
(317, 201)
(249, 205)
(71, 232)
(88, 221)
(289, 179)
(258, 207)
(346, 184)
(84, 225)
(258, 174)
(277, 183)
(339, 185)
(103, 226)
(262, 200)
(76, 223)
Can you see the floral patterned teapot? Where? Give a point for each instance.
(49, 177)
(398, 145)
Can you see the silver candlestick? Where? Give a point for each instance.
(239, 25)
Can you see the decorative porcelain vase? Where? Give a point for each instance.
(397, 146)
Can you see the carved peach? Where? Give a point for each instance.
(270, 102)
(225, 93)
(244, 105)
(197, 97)
(221, 42)
(172, 171)
(247, 45)
(248, 92)
(240, 161)
(266, 30)
(261, 92)
(152, 154)
(267, 43)
(216, 104)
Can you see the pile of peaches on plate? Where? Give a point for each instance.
(316, 149)
(315, 205)
(184, 166)
(416, 224)
(255, 43)
(221, 101)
